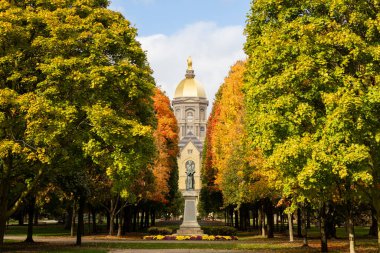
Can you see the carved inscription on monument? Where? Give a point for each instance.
(190, 210)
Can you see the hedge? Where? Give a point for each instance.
(219, 230)
(160, 231)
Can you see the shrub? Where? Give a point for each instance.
(160, 231)
(219, 230)
(190, 237)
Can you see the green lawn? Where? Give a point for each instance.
(45, 230)
(40, 230)
(265, 245)
(247, 241)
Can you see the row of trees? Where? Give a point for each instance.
(80, 116)
(299, 122)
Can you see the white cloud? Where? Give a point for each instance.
(213, 50)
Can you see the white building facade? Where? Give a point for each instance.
(190, 108)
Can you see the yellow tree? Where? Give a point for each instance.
(241, 174)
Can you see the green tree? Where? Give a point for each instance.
(75, 88)
(313, 95)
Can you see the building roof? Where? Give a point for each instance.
(190, 137)
(189, 87)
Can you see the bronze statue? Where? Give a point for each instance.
(190, 170)
(189, 63)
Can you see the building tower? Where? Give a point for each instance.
(190, 108)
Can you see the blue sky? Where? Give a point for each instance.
(210, 31)
(168, 16)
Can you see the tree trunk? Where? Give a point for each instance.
(270, 218)
(3, 210)
(119, 229)
(147, 216)
(127, 219)
(304, 227)
(20, 217)
(73, 219)
(3, 221)
(322, 228)
(142, 219)
(350, 230)
(68, 218)
(31, 208)
(256, 215)
(236, 219)
(299, 223)
(373, 228)
(376, 205)
(231, 216)
(5, 169)
(308, 219)
(108, 218)
(93, 212)
(36, 216)
(134, 225)
(89, 221)
(378, 231)
(153, 212)
(330, 223)
(262, 221)
(112, 217)
(241, 214)
(290, 223)
(278, 221)
(80, 226)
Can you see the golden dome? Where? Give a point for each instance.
(189, 87)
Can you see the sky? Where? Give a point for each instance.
(210, 31)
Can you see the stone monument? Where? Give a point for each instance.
(190, 108)
(190, 224)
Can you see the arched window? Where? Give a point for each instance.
(203, 115)
(189, 116)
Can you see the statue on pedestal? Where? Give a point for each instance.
(190, 170)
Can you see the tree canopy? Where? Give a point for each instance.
(312, 95)
(75, 87)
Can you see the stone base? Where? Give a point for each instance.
(190, 231)
(190, 224)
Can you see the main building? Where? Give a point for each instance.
(190, 108)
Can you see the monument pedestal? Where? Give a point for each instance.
(190, 224)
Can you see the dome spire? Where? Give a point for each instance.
(190, 72)
(189, 63)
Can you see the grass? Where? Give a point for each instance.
(262, 245)
(360, 232)
(45, 230)
(40, 230)
(247, 241)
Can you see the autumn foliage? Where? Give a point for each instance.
(166, 139)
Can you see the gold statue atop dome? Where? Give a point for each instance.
(189, 63)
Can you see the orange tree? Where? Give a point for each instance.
(165, 168)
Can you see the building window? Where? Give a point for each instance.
(189, 117)
(190, 151)
(202, 128)
(203, 115)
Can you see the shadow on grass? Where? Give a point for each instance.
(47, 247)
